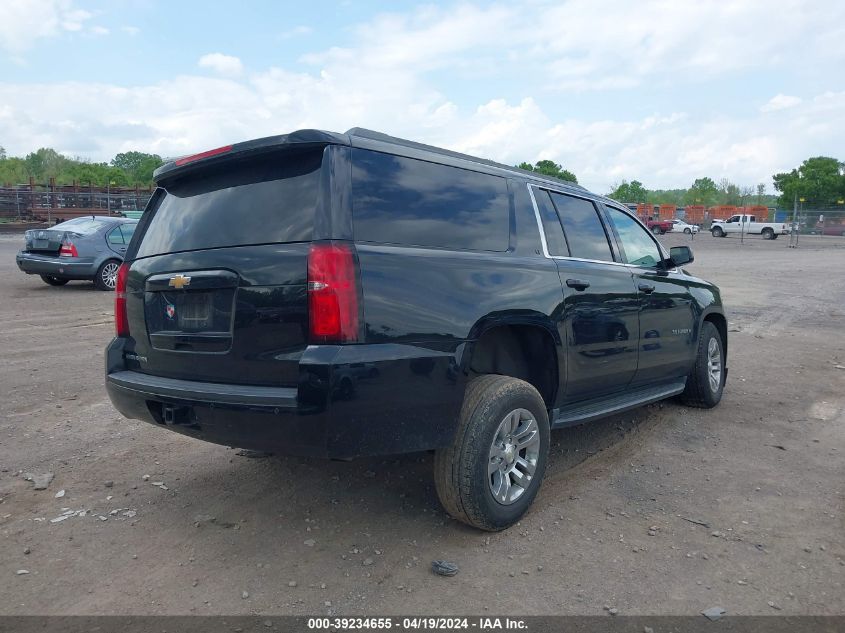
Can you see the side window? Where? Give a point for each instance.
(128, 230)
(115, 236)
(638, 247)
(584, 232)
(397, 200)
(552, 229)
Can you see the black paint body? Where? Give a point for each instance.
(423, 310)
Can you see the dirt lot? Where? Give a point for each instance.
(231, 535)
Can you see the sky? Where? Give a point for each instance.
(663, 92)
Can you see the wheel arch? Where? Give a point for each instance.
(721, 324)
(525, 346)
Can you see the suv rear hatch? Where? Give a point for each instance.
(216, 289)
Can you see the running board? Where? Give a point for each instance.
(581, 412)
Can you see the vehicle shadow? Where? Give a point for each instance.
(365, 493)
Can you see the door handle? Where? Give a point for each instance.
(646, 288)
(578, 284)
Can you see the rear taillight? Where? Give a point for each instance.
(121, 321)
(332, 293)
(68, 249)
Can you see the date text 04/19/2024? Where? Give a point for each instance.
(417, 623)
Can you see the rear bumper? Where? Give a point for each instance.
(69, 268)
(351, 401)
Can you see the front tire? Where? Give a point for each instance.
(718, 232)
(656, 230)
(106, 278)
(706, 381)
(492, 471)
(688, 231)
(52, 280)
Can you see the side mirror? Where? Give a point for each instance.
(680, 255)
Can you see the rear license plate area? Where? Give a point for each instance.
(190, 320)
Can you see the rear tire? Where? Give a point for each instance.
(688, 231)
(768, 234)
(704, 388)
(502, 434)
(52, 280)
(106, 278)
(656, 230)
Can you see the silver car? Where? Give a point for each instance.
(90, 247)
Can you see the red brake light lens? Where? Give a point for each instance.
(68, 249)
(332, 293)
(121, 321)
(212, 152)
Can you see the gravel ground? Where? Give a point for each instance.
(665, 510)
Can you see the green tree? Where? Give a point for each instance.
(12, 171)
(761, 192)
(138, 166)
(819, 180)
(2, 153)
(44, 163)
(549, 168)
(629, 192)
(702, 191)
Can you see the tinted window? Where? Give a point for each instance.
(128, 230)
(400, 200)
(115, 236)
(639, 249)
(253, 202)
(555, 241)
(584, 231)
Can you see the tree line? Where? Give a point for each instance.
(820, 180)
(126, 169)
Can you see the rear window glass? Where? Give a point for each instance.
(238, 203)
(82, 226)
(555, 242)
(584, 231)
(399, 200)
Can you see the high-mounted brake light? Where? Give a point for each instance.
(68, 249)
(212, 152)
(332, 293)
(121, 320)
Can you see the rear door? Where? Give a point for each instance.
(217, 283)
(600, 320)
(117, 240)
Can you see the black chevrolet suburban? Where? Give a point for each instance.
(343, 295)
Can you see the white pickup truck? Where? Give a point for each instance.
(748, 225)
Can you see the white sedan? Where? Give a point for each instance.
(682, 227)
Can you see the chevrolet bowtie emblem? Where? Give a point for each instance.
(179, 282)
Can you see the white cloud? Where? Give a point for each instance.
(390, 77)
(99, 30)
(780, 102)
(222, 64)
(130, 30)
(24, 22)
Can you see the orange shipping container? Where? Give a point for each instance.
(722, 212)
(694, 214)
(667, 211)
